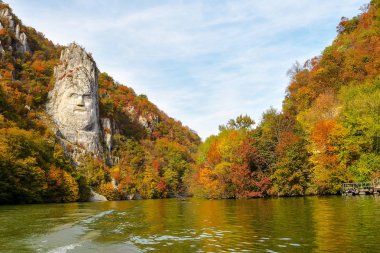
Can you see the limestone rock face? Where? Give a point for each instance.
(1, 49)
(96, 197)
(17, 32)
(107, 133)
(24, 43)
(21, 38)
(7, 15)
(73, 103)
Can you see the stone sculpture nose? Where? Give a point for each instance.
(80, 101)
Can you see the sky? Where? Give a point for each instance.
(202, 62)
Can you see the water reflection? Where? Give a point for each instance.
(313, 224)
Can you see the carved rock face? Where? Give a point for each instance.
(77, 105)
(73, 103)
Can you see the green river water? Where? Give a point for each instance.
(311, 224)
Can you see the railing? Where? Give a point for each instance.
(361, 187)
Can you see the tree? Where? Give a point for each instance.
(361, 117)
(230, 166)
(241, 122)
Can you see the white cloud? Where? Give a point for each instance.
(202, 62)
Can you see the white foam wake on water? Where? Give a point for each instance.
(97, 216)
(64, 249)
(70, 235)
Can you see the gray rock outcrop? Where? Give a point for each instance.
(73, 102)
(24, 43)
(21, 38)
(1, 49)
(96, 197)
(7, 15)
(17, 32)
(107, 133)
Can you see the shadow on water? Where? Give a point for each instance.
(311, 224)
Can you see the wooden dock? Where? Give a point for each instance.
(361, 188)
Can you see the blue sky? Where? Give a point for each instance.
(202, 62)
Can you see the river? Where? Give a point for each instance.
(310, 224)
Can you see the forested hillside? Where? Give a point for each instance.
(327, 132)
(151, 152)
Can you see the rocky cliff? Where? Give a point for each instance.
(9, 22)
(73, 102)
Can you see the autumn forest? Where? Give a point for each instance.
(327, 132)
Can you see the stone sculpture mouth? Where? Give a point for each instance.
(80, 110)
